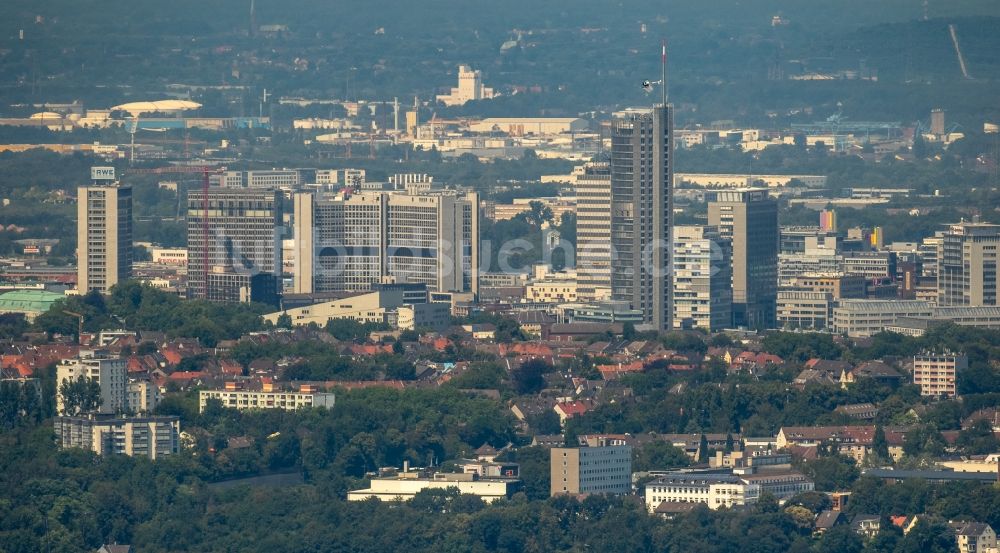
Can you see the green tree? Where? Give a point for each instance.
(535, 470)
(659, 455)
(81, 395)
(978, 439)
(284, 321)
(529, 377)
(831, 473)
(842, 539)
(538, 214)
(880, 447)
(546, 422)
(927, 537)
(703, 449)
(507, 331)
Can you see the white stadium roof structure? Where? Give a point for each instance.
(136, 108)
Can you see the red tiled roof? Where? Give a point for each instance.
(574, 408)
(362, 384)
(186, 375)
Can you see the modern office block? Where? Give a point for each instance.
(233, 235)
(593, 232)
(355, 242)
(967, 265)
(591, 470)
(702, 276)
(749, 217)
(642, 211)
(104, 236)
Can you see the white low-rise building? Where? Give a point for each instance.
(269, 398)
(714, 490)
(862, 318)
(405, 485)
(743, 486)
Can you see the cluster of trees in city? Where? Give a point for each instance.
(72, 500)
(982, 346)
(317, 360)
(367, 429)
(69, 501)
(714, 400)
(141, 307)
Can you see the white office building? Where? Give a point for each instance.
(702, 277)
(103, 236)
(714, 490)
(351, 243)
(405, 485)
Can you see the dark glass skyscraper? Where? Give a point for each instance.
(243, 241)
(749, 217)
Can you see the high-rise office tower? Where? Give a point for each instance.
(352, 242)
(702, 279)
(593, 232)
(749, 218)
(967, 265)
(641, 211)
(104, 236)
(234, 254)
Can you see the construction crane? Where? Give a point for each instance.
(79, 328)
(205, 171)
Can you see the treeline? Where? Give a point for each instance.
(71, 501)
(142, 307)
(317, 360)
(982, 346)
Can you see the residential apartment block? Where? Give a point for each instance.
(151, 437)
(109, 373)
(268, 398)
(935, 373)
(702, 278)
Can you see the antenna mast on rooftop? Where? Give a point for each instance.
(663, 72)
(253, 19)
